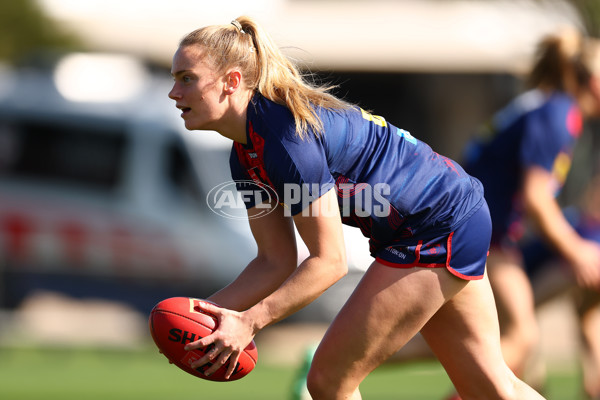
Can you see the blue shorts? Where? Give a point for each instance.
(463, 252)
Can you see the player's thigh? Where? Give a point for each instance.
(552, 281)
(388, 307)
(465, 336)
(513, 292)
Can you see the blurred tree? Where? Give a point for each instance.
(24, 30)
(590, 14)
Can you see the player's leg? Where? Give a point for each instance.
(588, 307)
(516, 310)
(550, 280)
(464, 334)
(415, 350)
(388, 307)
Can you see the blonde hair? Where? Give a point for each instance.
(244, 44)
(562, 62)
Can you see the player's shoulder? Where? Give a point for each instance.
(268, 117)
(562, 111)
(537, 102)
(559, 101)
(549, 110)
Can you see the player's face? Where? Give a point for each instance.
(198, 89)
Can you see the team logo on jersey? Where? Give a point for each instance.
(561, 168)
(406, 135)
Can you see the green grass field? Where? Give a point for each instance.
(65, 374)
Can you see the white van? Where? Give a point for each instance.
(96, 180)
(103, 191)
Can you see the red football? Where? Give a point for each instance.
(176, 321)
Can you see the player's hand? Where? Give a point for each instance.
(586, 264)
(226, 343)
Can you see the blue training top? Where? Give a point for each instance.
(535, 129)
(392, 186)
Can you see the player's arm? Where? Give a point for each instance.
(275, 261)
(325, 265)
(581, 254)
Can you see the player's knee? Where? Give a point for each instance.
(323, 382)
(529, 337)
(524, 337)
(318, 384)
(531, 340)
(493, 388)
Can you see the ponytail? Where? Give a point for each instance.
(244, 44)
(560, 63)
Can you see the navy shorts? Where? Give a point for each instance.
(463, 252)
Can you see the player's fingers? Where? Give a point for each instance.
(208, 356)
(586, 280)
(596, 280)
(233, 361)
(202, 342)
(592, 278)
(218, 363)
(208, 307)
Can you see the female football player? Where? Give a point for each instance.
(314, 162)
(551, 277)
(523, 160)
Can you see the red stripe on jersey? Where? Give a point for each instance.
(252, 157)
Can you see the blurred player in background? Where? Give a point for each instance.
(427, 221)
(551, 277)
(522, 160)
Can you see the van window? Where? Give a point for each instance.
(181, 176)
(56, 153)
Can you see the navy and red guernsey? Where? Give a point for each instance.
(535, 129)
(392, 186)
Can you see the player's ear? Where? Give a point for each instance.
(233, 80)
